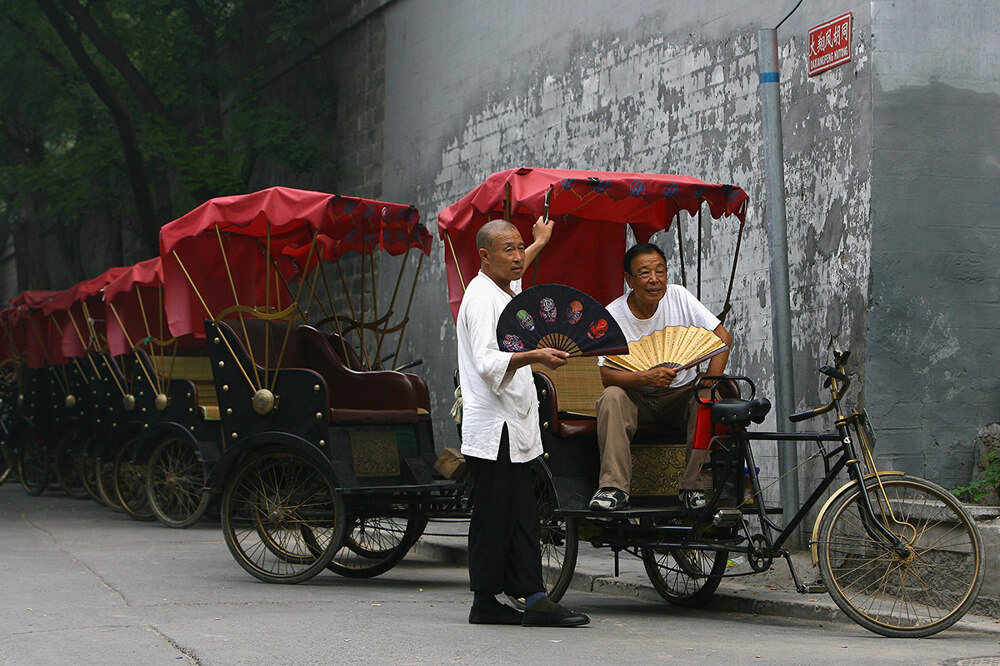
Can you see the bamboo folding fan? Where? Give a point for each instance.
(559, 317)
(679, 347)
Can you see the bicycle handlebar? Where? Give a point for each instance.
(833, 373)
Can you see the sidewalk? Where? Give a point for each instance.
(770, 593)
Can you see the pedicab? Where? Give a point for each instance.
(172, 389)
(8, 393)
(325, 465)
(31, 335)
(898, 554)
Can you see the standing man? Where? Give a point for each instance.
(659, 394)
(500, 438)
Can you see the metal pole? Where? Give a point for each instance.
(781, 320)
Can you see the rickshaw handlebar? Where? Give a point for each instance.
(833, 373)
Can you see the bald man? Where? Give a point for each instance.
(500, 438)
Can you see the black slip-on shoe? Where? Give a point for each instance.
(497, 613)
(560, 617)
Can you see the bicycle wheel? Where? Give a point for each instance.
(67, 466)
(130, 484)
(685, 577)
(281, 517)
(32, 466)
(174, 481)
(375, 544)
(913, 594)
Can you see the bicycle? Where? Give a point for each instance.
(898, 554)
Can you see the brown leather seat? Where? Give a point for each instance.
(382, 396)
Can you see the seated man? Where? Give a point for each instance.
(659, 394)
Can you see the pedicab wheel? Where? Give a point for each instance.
(174, 481)
(88, 475)
(67, 466)
(918, 591)
(104, 476)
(375, 544)
(558, 538)
(684, 577)
(282, 517)
(6, 463)
(130, 484)
(32, 466)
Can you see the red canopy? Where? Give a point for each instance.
(134, 300)
(74, 310)
(34, 334)
(279, 224)
(589, 209)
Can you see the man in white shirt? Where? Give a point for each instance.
(659, 394)
(501, 436)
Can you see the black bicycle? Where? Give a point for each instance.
(898, 554)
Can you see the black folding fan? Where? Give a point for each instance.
(559, 317)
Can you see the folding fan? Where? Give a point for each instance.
(559, 317)
(679, 347)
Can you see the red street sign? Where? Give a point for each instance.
(829, 44)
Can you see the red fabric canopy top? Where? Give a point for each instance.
(75, 311)
(33, 333)
(134, 307)
(589, 208)
(229, 248)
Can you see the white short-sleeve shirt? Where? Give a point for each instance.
(678, 307)
(492, 395)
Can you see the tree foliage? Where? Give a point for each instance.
(118, 115)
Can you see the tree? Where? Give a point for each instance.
(127, 113)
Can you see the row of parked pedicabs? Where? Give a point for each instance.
(245, 372)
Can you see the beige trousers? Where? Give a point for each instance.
(620, 411)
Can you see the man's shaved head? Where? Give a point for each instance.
(486, 236)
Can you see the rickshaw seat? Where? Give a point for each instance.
(353, 397)
(346, 353)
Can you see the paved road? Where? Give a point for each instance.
(82, 585)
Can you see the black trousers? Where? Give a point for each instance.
(504, 551)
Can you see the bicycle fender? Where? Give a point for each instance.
(813, 548)
(219, 474)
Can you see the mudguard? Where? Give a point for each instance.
(224, 466)
(836, 495)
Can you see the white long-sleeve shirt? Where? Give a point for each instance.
(492, 395)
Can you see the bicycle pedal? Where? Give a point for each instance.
(814, 588)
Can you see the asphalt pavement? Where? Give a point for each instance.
(82, 585)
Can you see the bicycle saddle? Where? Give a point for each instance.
(729, 411)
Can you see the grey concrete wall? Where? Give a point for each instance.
(474, 87)
(932, 377)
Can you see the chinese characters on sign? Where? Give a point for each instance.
(829, 44)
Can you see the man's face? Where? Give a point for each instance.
(505, 260)
(648, 278)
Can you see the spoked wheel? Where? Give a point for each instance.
(558, 537)
(918, 590)
(7, 463)
(282, 517)
(130, 484)
(32, 466)
(375, 544)
(68, 467)
(685, 577)
(88, 474)
(104, 475)
(174, 481)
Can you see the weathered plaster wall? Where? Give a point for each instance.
(932, 376)
(474, 87)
